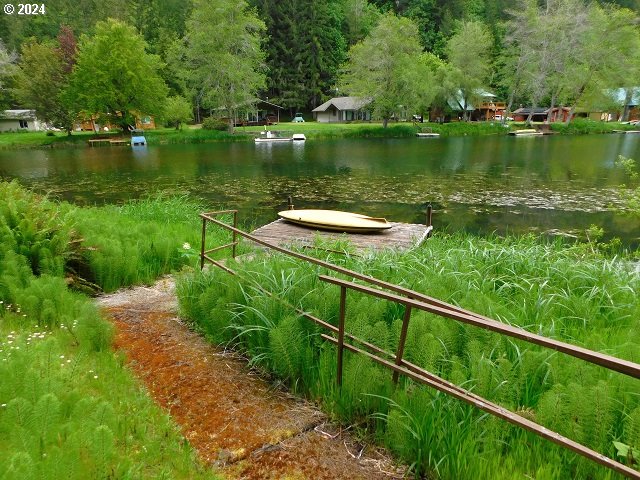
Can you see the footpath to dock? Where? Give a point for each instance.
(239, 423)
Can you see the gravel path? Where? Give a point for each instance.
(237, 422)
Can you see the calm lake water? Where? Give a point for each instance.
(551, 184)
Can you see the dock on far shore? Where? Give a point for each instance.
(108, 141)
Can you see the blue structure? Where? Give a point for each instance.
(137, 138)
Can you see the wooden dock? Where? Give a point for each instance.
(108, 141)
(399, 236)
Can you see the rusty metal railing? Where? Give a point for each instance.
(416, 300)
(400, 366)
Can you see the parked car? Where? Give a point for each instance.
(298, 118)
(498, 118)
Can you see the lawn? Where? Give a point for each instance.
(311, 129)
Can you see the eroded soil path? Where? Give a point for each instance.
(237, 422)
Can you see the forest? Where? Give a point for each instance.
(175, 58)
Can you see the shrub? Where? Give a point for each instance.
(212, 123)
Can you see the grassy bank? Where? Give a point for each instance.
(312, 130)
(570, 292)
(69, 408)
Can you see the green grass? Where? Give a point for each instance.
(69, 408)
(313, 130)
(568, 292)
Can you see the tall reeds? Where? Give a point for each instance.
(570, 292)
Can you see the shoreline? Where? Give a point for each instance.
(312, 130)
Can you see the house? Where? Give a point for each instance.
(540, 114)
(16, 120)
(620, 98)
(343, 109)
(258, 112)
(483, 106)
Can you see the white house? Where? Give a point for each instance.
(342, 109)
(15, 120)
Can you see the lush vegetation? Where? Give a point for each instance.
(135, 59)
(312, 130)
(68, 406)
(576, 293)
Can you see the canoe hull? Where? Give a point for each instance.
(335, 220)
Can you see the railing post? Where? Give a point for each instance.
(204, 233)
(403, 339)
(343, 301)
(289, 203)
(235, 235)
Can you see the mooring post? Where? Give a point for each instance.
(403, 340)
(289, 203)
(204, 233)
(343, 301)
(234, 239)
(429, 217)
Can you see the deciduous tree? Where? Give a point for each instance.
(223, 59)
(7, 60)
(40, 81)
(469, 53)
(177, 110)
(115, 78)
(388, 68)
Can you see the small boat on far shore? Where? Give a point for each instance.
(526, 132)
(272, 137)
(427, 135)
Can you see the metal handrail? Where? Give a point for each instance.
(399, 366)
(445, 309)
(412, 299)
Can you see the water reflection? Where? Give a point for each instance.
(502, 184)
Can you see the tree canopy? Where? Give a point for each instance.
(387, 67)
(40, 81)
(222, 58)
(221, 55)
(115, 77)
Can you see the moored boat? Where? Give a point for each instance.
(271, 137)
(526, 132)
(335, 220)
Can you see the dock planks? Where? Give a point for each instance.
(400, 235)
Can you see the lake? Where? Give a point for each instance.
(551, 184)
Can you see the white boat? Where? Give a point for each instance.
(335, 220)
(272, 140)
(427, 134)
(527, 132)
(270, 137)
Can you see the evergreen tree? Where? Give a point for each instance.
(305, 49)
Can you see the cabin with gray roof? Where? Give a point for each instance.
(343, 109)
(18, 120)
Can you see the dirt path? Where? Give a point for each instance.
(233, 418)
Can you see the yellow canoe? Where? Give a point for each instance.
(335, 220)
